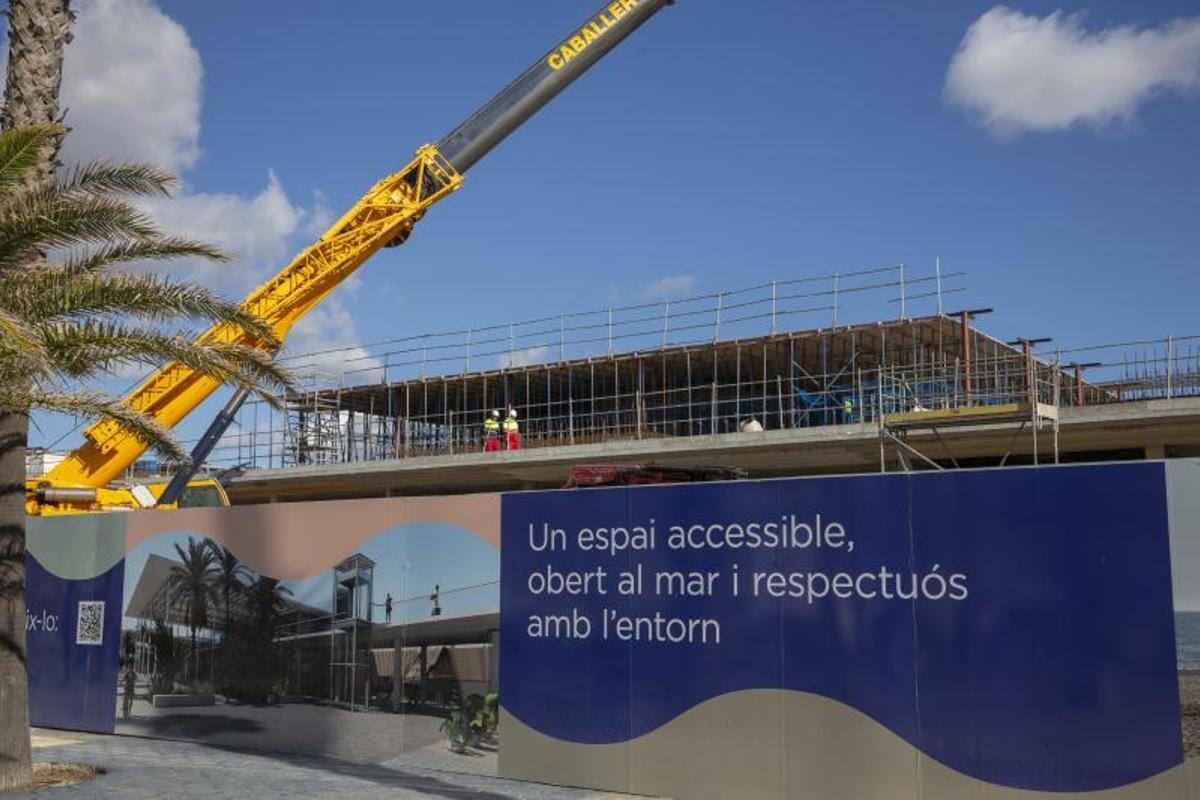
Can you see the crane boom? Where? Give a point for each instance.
(384, 216)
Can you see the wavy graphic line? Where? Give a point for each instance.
(78, 546)
(774, 744)
(297, 540)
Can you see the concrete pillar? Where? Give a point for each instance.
(494, 661)
(424, 666)
(397, 677)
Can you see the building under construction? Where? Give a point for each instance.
(740, 361)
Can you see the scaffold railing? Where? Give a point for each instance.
(784, 396)
(826, 301)
(774, 356)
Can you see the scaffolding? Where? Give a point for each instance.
(713, 364)
(854, 375)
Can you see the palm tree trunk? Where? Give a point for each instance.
(15, 767)
(38, 32)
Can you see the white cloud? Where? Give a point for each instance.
(320, 217)
(525, 357)
(131, 86)
(258, 232)
(132, 90)
(324, 347)
(669, 287)
(1024, 73)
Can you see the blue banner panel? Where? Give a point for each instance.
(1015, 625)
(73, 630)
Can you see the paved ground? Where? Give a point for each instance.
(373, 737)
(152, 768)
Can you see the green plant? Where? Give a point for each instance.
(490, 714)
(473, 709)
(457, 728)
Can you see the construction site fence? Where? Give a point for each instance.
(317, 430)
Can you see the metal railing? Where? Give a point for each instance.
(811, 302)
(775, 392)
(851, 396)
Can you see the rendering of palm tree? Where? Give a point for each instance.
(192, 584)
(267, 602)
(232, 577)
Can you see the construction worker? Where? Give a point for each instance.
(512, 431)
(491, 432)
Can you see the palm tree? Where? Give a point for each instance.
(38, 31)
(71, 319)
(192, 585)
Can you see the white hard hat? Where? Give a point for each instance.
(512, 412)
(495, 412)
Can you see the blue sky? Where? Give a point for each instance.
(723, 145)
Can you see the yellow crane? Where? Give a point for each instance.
(85, 480)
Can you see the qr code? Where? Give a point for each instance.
(89, 628)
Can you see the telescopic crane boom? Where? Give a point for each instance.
(385, 216)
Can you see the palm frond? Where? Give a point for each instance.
(157, 249)
(103, 406)
(54, 294)
(20, 342)
(37, 221)
(77, 318)
(86, 348)
(101, 177)
(20, 149)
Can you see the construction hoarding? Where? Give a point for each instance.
(999, 633)
(1014, 633)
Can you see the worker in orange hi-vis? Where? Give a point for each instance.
(512, 431)
(491, 432)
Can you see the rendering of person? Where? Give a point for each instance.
(128, 685)
(387, 608)
(433, 598)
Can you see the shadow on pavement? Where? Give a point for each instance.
(384, 776)
(187, 726)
